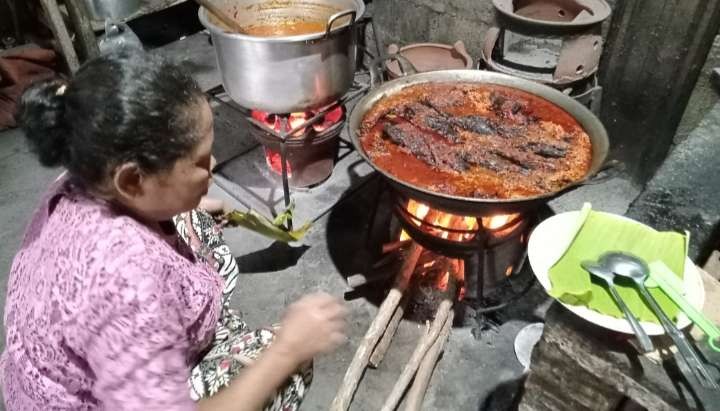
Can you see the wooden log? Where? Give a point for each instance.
(342, 399)
(381, 348)
(385, 260)
(359, 280)
(395, 245)
(60, 31)
(421, 349)
(80, 18)
(385, 271)
(424, 374)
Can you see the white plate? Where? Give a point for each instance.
(553, 236)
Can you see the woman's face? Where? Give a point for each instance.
(164, 195)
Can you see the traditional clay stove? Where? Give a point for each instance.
(301, 148)
(554, 42)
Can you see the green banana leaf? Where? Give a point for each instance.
(601, 232)
(262, 225)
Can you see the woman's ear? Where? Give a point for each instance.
(127, 181)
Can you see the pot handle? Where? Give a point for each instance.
(406, 67)
(332, 19)
(459, 48)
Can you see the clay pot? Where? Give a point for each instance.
(429, 57)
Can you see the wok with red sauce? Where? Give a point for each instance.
(476, 140)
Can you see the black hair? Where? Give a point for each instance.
(129, 106)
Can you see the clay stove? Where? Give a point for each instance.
(554, 42)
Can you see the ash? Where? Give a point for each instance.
(426, 289)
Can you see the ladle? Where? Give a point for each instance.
(608, 276)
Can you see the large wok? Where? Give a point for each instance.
(481, 206)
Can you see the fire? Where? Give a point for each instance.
(442, 283)
(456, 228)
(274, 161)
(276, 121)
(297, 120)
(446, 221)
(332, 117)
(455, 270)
(498, 221)
(284, 123)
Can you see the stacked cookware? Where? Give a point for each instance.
(555, 42)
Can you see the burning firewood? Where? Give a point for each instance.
(375, 331)
(381, 324)
(423, 346)
(395, 245)
(416, 395)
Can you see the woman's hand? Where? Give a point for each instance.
(313, 325)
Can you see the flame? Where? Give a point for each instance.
(274, 161)
(298, 119)
(418, 210)
(332, 117)
(448, 221)
(442, 283)
(498, 221)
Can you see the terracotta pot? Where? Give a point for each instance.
(429, 57)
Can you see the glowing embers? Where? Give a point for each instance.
(310, 142)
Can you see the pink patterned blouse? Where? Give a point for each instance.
(102, 312)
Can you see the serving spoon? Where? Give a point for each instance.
(634, 268)
(608, 276)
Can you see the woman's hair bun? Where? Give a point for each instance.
(42, 117)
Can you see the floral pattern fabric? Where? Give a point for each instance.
(235, 345)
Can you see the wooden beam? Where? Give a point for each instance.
(80, 19)
(60, 31)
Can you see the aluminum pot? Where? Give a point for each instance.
(290, 73)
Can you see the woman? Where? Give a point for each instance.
(107, 306)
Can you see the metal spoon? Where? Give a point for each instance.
(630, 266)
(605, 274)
